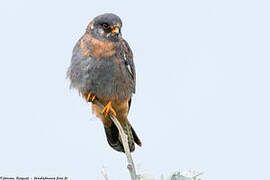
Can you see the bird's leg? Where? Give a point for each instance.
(90, 97)
(108, 108)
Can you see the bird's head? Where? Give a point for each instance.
(106, 27)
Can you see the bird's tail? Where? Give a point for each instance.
(114, 138)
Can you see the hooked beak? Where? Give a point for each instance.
(116, 30)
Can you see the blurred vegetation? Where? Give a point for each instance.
(193, 176)
(177, 175)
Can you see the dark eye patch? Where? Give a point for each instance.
(106, 27)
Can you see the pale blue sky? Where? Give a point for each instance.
(202, 100)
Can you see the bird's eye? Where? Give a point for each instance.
(105, 26)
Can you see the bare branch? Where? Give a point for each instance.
(104, 173)
(124, 139)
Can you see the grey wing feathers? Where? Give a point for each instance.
(128, 59)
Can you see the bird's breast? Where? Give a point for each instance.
(107, 79)
(96, 48)
(96, 67)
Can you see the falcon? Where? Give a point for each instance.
(102, 69)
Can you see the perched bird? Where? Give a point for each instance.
(102, 68)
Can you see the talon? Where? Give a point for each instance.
(108, 108)
(90, 98)
(93, 98)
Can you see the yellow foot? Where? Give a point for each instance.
(90, 97)
(108, 108)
